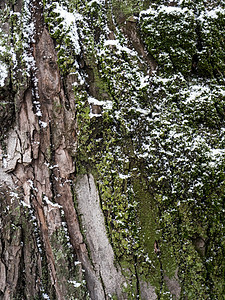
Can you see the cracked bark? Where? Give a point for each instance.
(39, 172)
(35, 143)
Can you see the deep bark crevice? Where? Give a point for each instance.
(137, 278)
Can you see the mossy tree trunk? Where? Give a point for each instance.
(112, 149)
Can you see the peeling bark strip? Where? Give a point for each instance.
(39, 171)
(39, 161)
(42, 138)
(139, 87)
(35, 146)
(101, 251)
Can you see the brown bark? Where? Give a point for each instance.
(39, 161)
(38, 185)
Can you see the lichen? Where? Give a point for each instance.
(157, 154)
(69, 270)
(157, 151)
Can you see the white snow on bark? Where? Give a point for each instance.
(69, 23)
(3, 73)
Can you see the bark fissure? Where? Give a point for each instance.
(137, 278)
(97, 94)
(40, 141)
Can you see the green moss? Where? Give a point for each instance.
(123, 9)
(67, 272)
(127, 7)
(170, 38)
(182, 43)
(147, 211)
(151, 154)
(66, 51)
(211, 53)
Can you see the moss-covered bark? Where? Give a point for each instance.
(131, 92)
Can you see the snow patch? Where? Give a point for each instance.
(123, 176)
(213, 14)
(96, 1)
(106, 104)
(164, 9)
(3, 72)
(43, 124)
(144, 81)
(69, 24)
(31, 183)
(74, 283)
(91, 115)
(25, 204)
(117, 44)
(55, 205)
(92, 100)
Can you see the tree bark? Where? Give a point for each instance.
(91, 207)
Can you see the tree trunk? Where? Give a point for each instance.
(112, 161)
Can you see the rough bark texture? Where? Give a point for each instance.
(38, 173)
(32, 146)
(95, 201)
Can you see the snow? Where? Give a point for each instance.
(96, 1)
(216, 156)
(25, 204)
(38, 113)
(28, 37)
(218, 152)
(74, 283)
(106, 104)
(142, 111)
(123, 176)
(29, 61)
(13, 196)
(144, 81)
(213, 14)
(163, 138)
(94, 115)
(111, 43)
(55, 205)
(3, 66)
(196, 92)
(43, 124)
(171, 9)
(38, 108)
(31, 183)
(117, 44)
(3, 72)
(92, 100)
(69, 24)
(164, 9)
